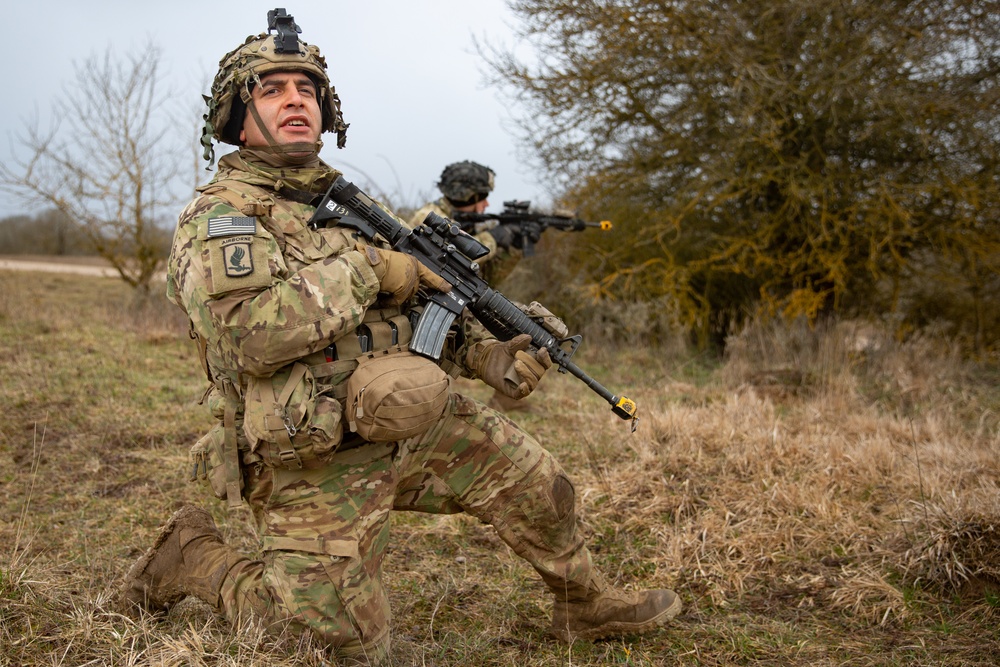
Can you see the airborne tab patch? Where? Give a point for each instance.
(231, 226)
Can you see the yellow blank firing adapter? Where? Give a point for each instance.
(626, 408)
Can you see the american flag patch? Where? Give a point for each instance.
(231, 226)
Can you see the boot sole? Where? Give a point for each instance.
(617, 628)
(141, 600)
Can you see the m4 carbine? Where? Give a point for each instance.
(441, 245)
(530, 224)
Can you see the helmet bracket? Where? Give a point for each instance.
(287, 39)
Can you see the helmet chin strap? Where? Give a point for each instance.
(281, 155)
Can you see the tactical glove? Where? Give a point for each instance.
(515, 235)
(400, 275)
(508, 367)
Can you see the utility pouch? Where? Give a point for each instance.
(289, 422)
(395, 394)
(207, 461)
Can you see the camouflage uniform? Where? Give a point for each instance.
(279, 293)
(280, 311)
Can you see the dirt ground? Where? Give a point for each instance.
(87, 266)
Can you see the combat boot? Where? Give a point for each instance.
(187, 558)
(612, 612)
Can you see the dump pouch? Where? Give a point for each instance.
(395, 394)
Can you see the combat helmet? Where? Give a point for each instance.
(466, 183)
(241, 69)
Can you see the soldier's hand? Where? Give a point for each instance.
(400, 275)
(516, 235)
(503, 235)
(508, 367)
(530, 232)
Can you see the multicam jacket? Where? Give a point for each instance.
(262, 289)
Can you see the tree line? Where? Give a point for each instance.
(798, 158)
(780, 158)
(110, 167)
(51, 232)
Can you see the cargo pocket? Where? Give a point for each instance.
(324, 585)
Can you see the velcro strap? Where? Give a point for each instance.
(379, 315)
(234, 497)
(333, 368)
(311, 545)
(452, 369)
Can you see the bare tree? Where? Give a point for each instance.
(108, 162)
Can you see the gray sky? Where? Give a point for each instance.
(406, 71)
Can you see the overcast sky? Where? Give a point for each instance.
(411, 84)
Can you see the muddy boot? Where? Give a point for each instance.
(187, 558)
(612, 612)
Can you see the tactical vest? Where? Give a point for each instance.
(295, 418)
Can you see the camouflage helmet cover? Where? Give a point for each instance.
(241, 69)
(465, 183)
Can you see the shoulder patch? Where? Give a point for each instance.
(237, 255)
(231, 226)
(237, 262)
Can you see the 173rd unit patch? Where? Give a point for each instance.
(237, 254)
(232, 248)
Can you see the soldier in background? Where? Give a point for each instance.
(465, 187)
(292, 324)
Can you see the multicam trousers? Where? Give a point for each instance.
(325, 531)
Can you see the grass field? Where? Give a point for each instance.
(819, 498)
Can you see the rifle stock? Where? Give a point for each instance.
(445, 249)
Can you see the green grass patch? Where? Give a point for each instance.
(837, 515)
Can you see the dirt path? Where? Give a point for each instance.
(78, 266)
(57, 267)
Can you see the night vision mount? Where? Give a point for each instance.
(287, 40)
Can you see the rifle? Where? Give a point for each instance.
(440, 245)
(518, 213)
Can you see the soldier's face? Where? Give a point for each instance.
(478, 207)
(288, 107)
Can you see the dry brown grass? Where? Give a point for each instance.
(822, 497)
